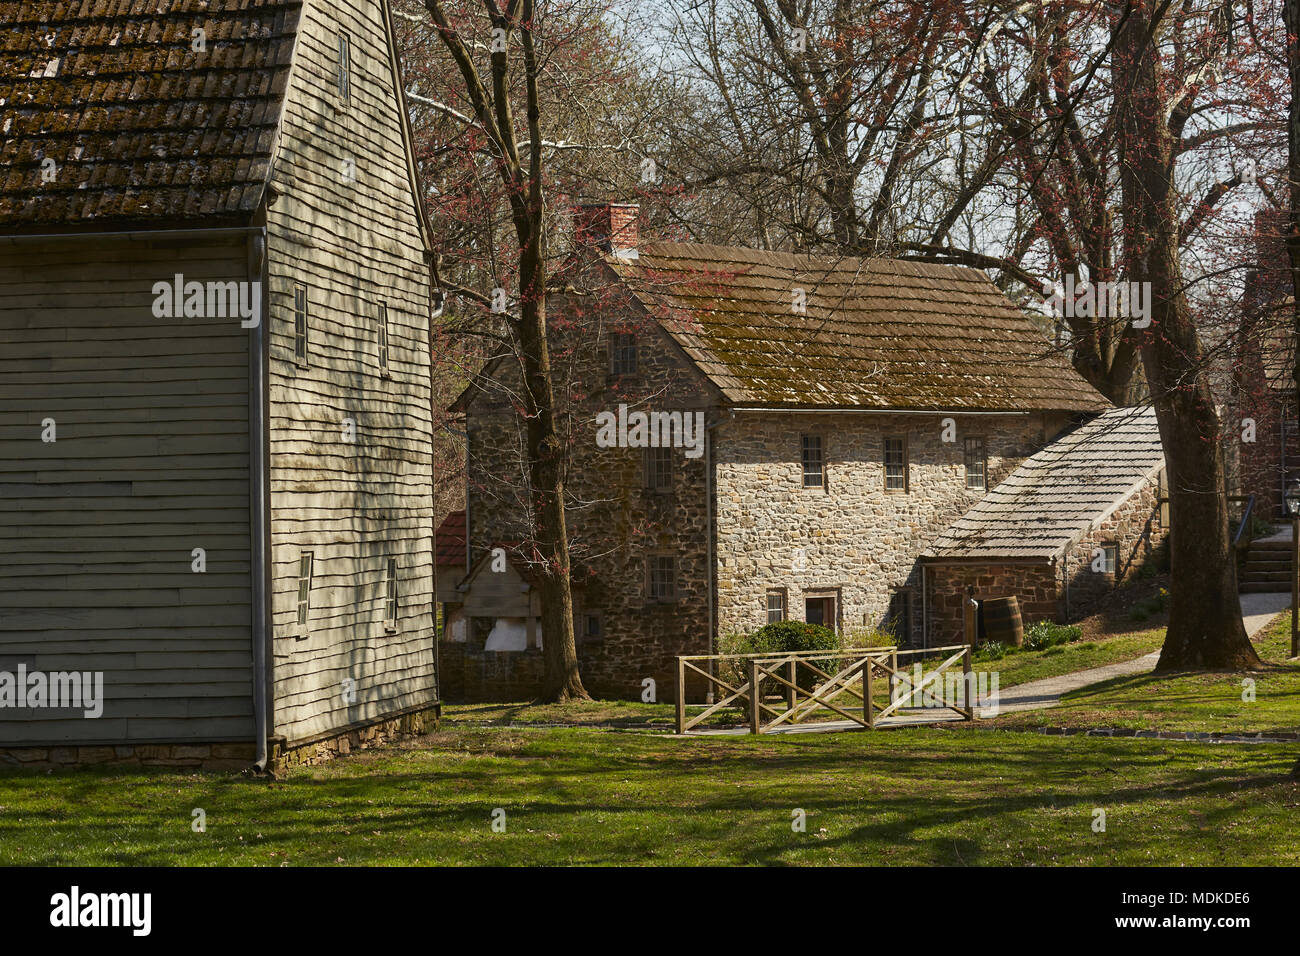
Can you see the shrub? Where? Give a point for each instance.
(782, 637)
(1044, 634)
(868, 637)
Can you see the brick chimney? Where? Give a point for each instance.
(610, 227)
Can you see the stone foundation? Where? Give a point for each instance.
(224, 756)
(341, 744)
(1033, 585)
(227, 756)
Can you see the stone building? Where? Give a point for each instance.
(1064, 528)
(812, 426)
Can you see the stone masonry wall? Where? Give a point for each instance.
(1135, 528)
(1035, 587)
(851, 537)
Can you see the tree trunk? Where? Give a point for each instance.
(1291, 17)
(1205, 626)
(560, 681)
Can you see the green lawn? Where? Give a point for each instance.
(580, 795)
(1024, 666)
(635, 794)
(1194, 702)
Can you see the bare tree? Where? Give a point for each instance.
(487, 46)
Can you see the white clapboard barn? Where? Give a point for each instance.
(215, 438)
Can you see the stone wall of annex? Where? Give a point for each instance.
(1136, 531)
(1063, 590)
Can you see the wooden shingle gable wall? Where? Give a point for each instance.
(351, 446)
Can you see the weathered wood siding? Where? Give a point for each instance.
(352, 242)
(151, 461)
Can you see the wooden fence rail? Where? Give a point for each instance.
(849, 673)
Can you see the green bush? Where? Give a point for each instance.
(1044, 634)
(782, 637)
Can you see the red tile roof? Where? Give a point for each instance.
(449, 541)
(141, 127)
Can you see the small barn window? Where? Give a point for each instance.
(659, 469)
(776, 605)
(1109, 558)
(623, 353)
(390, 594)
(381, 331)
(662, 583)
(345, 67)
(895, 464)
(976, 464)
(300, 324)
(305, 561)
(592, 630)
(814, 461)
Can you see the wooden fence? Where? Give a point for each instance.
(850, 673)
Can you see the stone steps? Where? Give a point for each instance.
(1267, 567)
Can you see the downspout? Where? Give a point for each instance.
(710, 490)
(259, 500)
(925, 617)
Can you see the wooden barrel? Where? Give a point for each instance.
(1002, 620)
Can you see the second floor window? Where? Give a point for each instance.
(345, 68)
(659, 469)
(976, 464)
(814, 462)
(381, 321)
(300, 324)
(895, 464)
(623, 353)
(662, 577)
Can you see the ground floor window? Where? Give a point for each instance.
(775, 605)
(820, 609)
(1109, 558)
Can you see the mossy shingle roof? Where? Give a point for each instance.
(1057, 495)
(141, 126)
(873, 333)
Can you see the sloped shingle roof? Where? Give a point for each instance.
(141, 127)
(449, 540)
(876, 333)
(1057, 495)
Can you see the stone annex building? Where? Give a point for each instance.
(852, 411)
(220, 501)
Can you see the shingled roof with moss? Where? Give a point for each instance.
(876, 333)
(142, 126)
(1061, 493)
